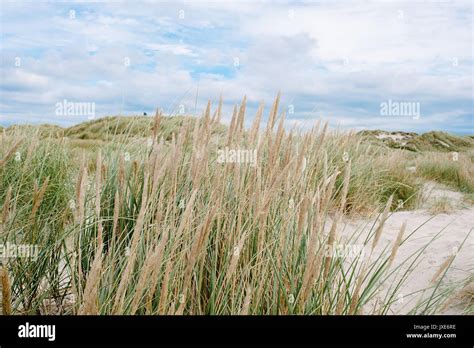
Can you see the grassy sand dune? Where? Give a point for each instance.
(430, 141)
(158, 215)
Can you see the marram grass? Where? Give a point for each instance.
(162, 227)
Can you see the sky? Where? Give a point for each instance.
(343, 62)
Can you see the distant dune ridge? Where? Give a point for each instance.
(430, 141)
(107, 127)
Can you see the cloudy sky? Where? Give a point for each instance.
(333, 60)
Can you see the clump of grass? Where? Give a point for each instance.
(40, 167)
(467, 296)
(379, 175)
(441, 205)
(35, 188)
(469, 198)
(455, 170)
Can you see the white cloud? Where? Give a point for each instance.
(177, 49)
(328, 59)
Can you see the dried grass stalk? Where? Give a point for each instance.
(38, 198)
(6, 291)
(119, 297)
(444, 266)
(10, 153)
(247, 300)
(397, 243)
(378, 231)
(6, 205)
(90, 297)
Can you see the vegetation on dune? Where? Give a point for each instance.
(440, 141)
(42, 131)
(164, 227)
(456, 171)
(441, 205)
(434, 141)
(111, 128)
(35, 188)
(116, 128)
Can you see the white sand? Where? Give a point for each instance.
(456, 227)
(398, 137)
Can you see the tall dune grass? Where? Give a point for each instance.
(453, 169)
(164, 228)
